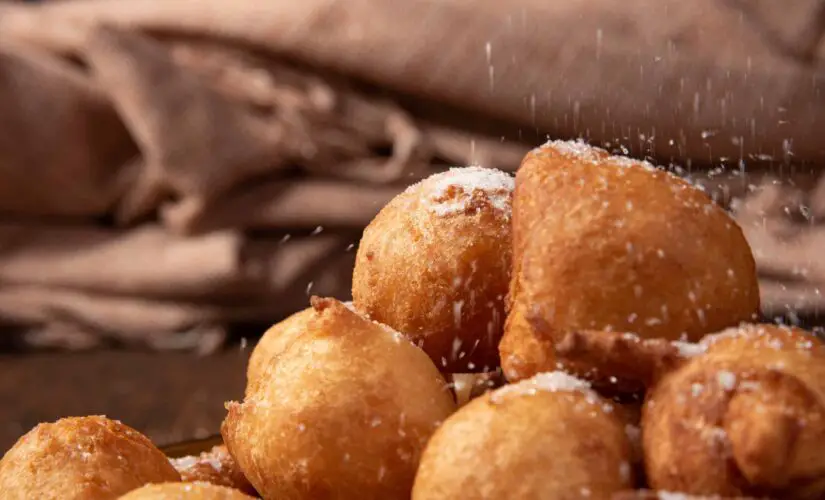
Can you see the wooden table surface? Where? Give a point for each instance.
(169, 396)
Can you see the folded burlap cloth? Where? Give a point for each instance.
(169, 168)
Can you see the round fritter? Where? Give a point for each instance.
(546, 437)
(435, 263)
(275, 340)
(344, 411)
(746, 418)
(185, 491)
(81, 458)
(609, 243)
(215, 466)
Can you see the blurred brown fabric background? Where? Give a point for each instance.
(170, 170)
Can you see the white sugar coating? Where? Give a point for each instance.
(183, 463)
(556, 381)
(631, 337)
(626, 161)
(633, 433)
(732, 333)
(759, 332)
(689, 349)
(452, 191)
(580, 150)
(670, 495)
(726, 379)
(214, 462)
(576, 149)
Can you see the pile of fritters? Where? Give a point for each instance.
(587, 329)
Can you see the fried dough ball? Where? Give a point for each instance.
(343, 412)
(185, 491)
(609, 243)
(546, 437)
(740, 414)
(273, 342)
(435, 263)
(82, 458)
(276, 339)
(215, 466)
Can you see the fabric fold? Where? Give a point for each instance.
(700, 80)
(171, 169)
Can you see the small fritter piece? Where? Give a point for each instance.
(435, 263)
(608, 243)
(343, 412)
(547, 437)
(215, 466)
(81, 458)
(185, 491)
(742, 413)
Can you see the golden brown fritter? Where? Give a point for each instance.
(81, 458)
(275, 340)
(609, 243)
(344, 412)
(740, 414)
(746, 418)
(435, 263)
(546, 437)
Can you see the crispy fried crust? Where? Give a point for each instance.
(744, 419)
(83, 458)
(185, 491)
(531, 440)
(437, 274)
(343, 412)
(607, 243)
(275, 340)
(215, 466)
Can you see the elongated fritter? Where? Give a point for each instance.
(742, 413)
(607, 243)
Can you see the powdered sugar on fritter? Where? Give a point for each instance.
(689, 349)
(669, 495)
(184, 463)
(576, 149)
(582, 151)
(544, 382)
(453, 191)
